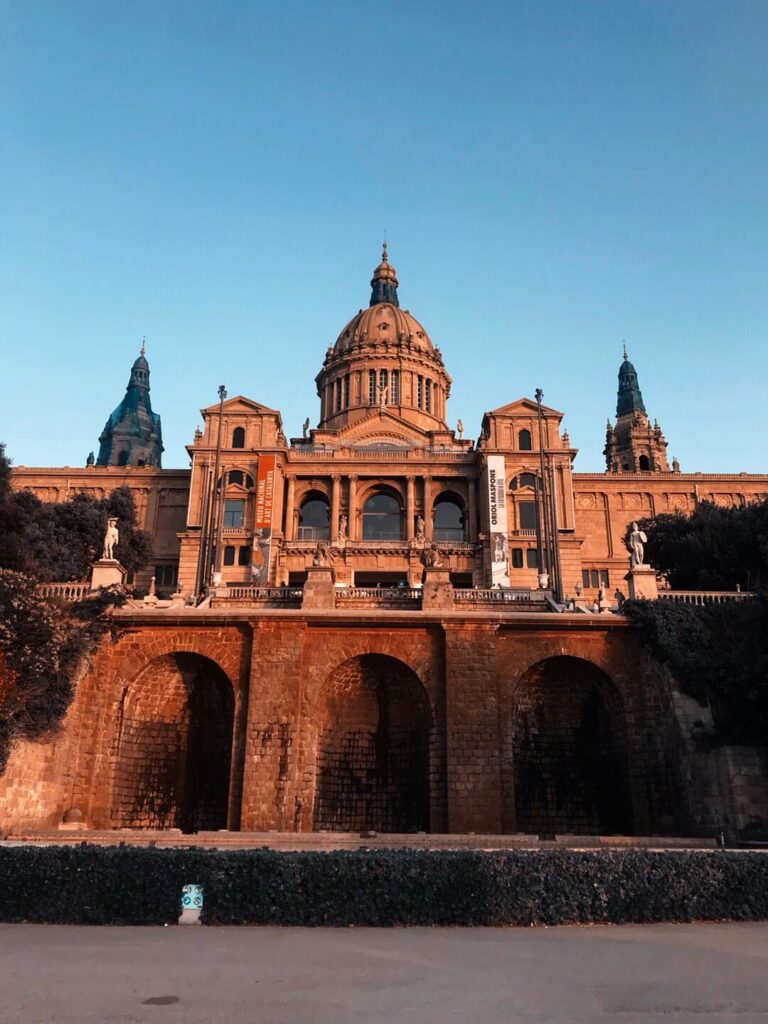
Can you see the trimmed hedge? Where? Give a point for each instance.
(139, 885)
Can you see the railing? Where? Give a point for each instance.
(64, 591)
(278, 596)
(702, 597)
(506, 596)
(522, 533)
(314, 533)
(379, 596)
(234, 531)
(378, 454)
(448, 534)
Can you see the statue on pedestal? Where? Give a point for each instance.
(111, 540)
(637, 540)
(431, 557)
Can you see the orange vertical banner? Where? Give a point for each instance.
(262, 538)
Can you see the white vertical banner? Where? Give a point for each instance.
(496, 484)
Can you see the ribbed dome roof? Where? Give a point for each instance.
(383, 324)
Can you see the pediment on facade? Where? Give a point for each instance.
(383, 428)
(524, 406)
(241, 405)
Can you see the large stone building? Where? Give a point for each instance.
(370, 626)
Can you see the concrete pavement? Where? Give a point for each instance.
(631, 974)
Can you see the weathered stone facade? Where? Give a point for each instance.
(425, 704)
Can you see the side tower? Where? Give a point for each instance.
(132, 435)
(633, 445)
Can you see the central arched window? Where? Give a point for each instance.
(238, 437)
(315, 517)
(449, 518)
(382, 518)
(645, 463)
(524, 442)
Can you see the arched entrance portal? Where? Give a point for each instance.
(569, 751)
(174, 746)
(373, 748)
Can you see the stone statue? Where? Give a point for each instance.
(675, 466)
(420, 524)
(431, 557)
(383, 394)
(91, 459)
(637, 539)
(305, 428)
(343, 527)
(460, 428)
(320, 557)
(111, 540)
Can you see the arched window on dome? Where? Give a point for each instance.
(314, 517)
(346, 392)
(238, 437)
(448, 517)
(645, 463)
(524, 441)
(382, 517)
(419, 391)
(371, 387)
(394, 388)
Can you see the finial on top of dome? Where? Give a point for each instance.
(625, 351)
(384, 282)
(143, 346)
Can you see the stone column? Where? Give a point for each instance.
(352, 509)
(289, 513)
(410, 512)
(335, 506)
(428, 507)
(472, 510)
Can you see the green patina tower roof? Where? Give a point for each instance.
(384, 283)
(630, 397)
(132, 436)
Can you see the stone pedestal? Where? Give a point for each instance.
(319, 590)
(107, 572)
(437, 592)
(642, 583)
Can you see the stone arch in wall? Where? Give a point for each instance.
(174, 746)
(569, 751)
(373, 750)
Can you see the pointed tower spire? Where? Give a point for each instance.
(132, 436)
(630, 397)
(384, 282)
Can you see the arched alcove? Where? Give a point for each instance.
(174, 746)
(373, 752)
(569, 751)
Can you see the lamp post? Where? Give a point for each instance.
(214, 557)
(542, 518)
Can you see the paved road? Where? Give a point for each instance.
(670, 973)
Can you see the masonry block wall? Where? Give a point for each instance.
(391, 721)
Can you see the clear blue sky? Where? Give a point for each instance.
(553, 177)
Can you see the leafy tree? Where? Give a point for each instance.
(60, 541)
(719, 655)
(714, 548)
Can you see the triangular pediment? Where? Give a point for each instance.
(524, 405)
(241, 404)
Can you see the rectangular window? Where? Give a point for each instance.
(346, 392)
(527, 515)
(229, 555)
(517, 558)
(234, 512)
(595, 578)
(605, 578)
(371, 387)
(394, 391)
(166, 575)
(585, 577)
(420, 391)
(337, 391)
(244, 556)
(532, 558)
(428, 395)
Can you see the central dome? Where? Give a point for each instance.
(383, 357)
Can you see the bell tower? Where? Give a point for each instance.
(633, 445)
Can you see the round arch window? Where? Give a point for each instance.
(449, 518)
(315, 518)
(382, 518)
